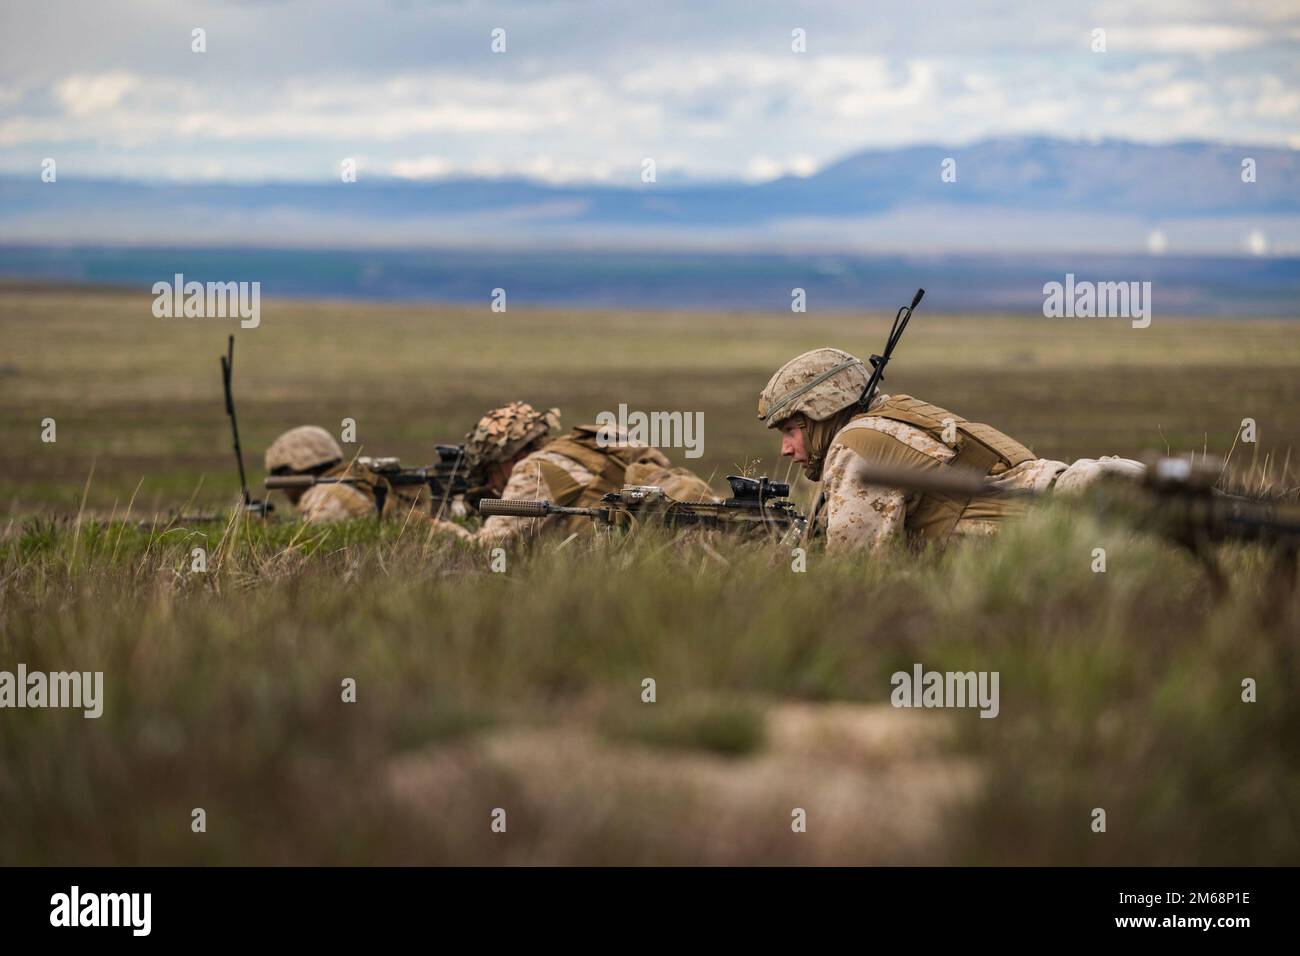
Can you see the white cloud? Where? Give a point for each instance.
(1193, 38)
(83, 94)
(764, 168)
(421, 167)
(539, 167)
(747, 108)
(1176, 96)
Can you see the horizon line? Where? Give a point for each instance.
(674, 178)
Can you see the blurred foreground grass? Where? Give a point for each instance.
(523, 691)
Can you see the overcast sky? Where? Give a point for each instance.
(586, 90)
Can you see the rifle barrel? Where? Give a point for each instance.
(878, 362)
(291, 481)
(519, 508)
(950, 480)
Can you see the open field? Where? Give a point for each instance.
(140, 397)
(522, 690)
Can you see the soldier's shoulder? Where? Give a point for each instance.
(533, 459)
(526, 479)
(341, 469)
(874, 437)
(578, 461)
(323, 503)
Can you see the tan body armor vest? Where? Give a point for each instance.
(980, 448)
(398, 500)
(608, 464)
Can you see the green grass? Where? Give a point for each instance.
(721, 727)
(1119, 690)
(139, 398)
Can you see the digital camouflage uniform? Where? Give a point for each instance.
(312, 450)
(901, 432)
(573, 470)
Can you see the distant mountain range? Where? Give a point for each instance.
(1010, 195)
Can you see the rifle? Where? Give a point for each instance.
(1176, 499)
(878, 362)
(446, 479)
(251, 506)
(755, 504)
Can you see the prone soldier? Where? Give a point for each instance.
(515, 450)
(310, 451)
(832, 427)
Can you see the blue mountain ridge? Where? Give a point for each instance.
(1033, 174)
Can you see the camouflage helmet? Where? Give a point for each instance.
(302, 449)
(816, 384)
(502, 432)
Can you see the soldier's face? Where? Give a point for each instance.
(498, 473)
(794, 443)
